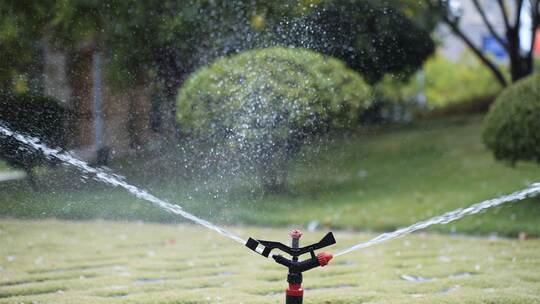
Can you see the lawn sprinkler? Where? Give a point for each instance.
(295, 293)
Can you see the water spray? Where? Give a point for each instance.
(115, 181)
(530, 191)
(294, 294)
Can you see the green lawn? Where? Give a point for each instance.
(51, 261)
(374, 179)
(4, 166)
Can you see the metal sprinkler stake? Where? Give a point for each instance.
(294, 294)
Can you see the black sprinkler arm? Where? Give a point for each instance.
(252, 244)
(297, 267)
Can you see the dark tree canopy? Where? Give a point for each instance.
(373, 38)
(169, 38)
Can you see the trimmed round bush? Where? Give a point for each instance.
(512, 127)
(265, 103)
(35, 115)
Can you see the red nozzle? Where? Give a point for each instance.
(294, 290)
(323, 258)
(295, 234)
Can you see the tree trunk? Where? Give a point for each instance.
(520, 63)
(272, 169)
(171, 73)
(273, 177)
(79, 71)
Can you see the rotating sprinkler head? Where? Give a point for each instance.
(295, 293)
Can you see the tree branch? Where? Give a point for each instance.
(494, 69)
(504, 13)
(535, 12)
(519, 4)
(488, 24)
(535, 8)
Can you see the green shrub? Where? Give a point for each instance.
(448, 82)
(264, 104)
(512, 127)
(442, 82)
(35, 115)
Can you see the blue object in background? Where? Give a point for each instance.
(491, 46)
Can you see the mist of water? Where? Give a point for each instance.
(448, 217)
(115, 180)
(118, 181)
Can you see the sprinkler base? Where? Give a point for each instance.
(294, 294)
(294, 300)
